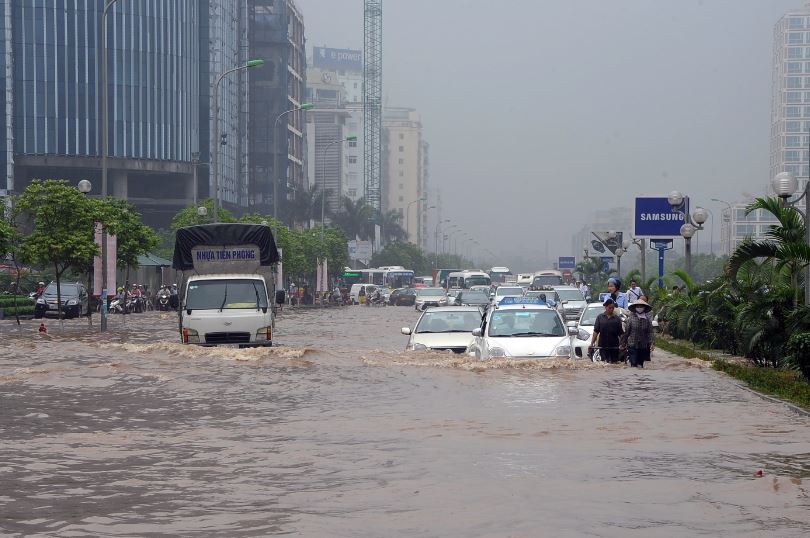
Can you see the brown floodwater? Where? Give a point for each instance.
(338, 432)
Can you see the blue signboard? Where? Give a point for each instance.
(566, 262)
(339, 59)
(654, 217)
(606, 261)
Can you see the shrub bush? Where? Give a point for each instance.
(798, 353)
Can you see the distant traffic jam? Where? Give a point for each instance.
(495, 314)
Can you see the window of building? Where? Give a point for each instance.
(795, 53)
(401, 186)
(796, 23)
(794, 97)
(794, 83)
(402, 136)
(401, 173)
(745, 229)
(793, 141)
(352, 143)
(352, 159)
(401, 149)
(402, 161)
(796, 38)
(793, 111)
(352, 193)
(401, 198)
(792, 156)
(793, 126)
(794, 67)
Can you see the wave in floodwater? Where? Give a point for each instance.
(460, 361)
(255, 354)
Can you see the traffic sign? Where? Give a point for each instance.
(566, 262)
(658, 244)
(654, 217)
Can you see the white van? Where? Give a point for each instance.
(354, 292)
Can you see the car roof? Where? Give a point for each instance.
(525, 307)
(565, 288)
(453, 309)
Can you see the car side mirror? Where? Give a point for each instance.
(573, 331)
(571, 324)
(281, 296)
(477, 332)
(188, 311)
(406, 331)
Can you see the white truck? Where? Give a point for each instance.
(226, 284)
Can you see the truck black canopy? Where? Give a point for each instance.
(222, 235)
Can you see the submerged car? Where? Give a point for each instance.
(571, 301)
(472, 298)
(428, 297)
(75, 301)
(402, 297)
(444, 328)
(522, 329)
(502, 292)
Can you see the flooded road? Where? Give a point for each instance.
(340, 433)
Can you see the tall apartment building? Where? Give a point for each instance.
(403, 170)
(326, 132)
(275, 138)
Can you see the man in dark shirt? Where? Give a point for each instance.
(608, 329)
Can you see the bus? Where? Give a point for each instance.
(440, 277)
(498, 274)
(466, 279)
(350, 277)
(398, 277)
(372, 276)
(546, 279)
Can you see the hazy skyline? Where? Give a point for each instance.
(532, 107)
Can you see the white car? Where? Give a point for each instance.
(571, 300)
(522, 329)
(354, 292)
(427, 297)
(506, 291)
(585, 329)
(444, 328)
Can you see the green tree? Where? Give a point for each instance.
(189, 217)
(133, 237)
(355, 218)
(63, 224)
(391, 227)
(783, 243)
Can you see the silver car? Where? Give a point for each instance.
(572, 302)
(444, 328)
(428, 297)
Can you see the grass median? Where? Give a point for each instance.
(788, 385)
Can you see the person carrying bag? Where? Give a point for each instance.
(639, 338)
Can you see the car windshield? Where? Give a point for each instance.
(570, 295)
(226, 294)
(477, 297)
(590, 314)
(516, 323)
(448, 322)
(546, 295)
(508, 290)
(65, 289)
(429, 292)
(476, 281)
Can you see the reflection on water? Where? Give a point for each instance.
(338, 432)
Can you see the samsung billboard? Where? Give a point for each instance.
(654, 217)
(338, 59)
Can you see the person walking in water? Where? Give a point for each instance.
(634, 293)
(608, 331)
(639, 339)
(615, 292)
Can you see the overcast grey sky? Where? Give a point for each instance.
(538, 111)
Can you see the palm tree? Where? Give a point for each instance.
(392, 229)
(783, 244)
(355, 218)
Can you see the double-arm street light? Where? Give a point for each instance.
(786, 185)
(408, 213)
(436, 238)
(692, 224)
(351, 138)
(276, 138)
(215, 156)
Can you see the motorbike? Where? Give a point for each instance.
(375, 300)
(163, 300)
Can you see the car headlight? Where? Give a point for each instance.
(418, 347)
(497, 352)
(190, 336)
(562, 351)
(582, 335)
(72, 302)
(265, 333)
(41, 301)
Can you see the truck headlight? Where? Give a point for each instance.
(497, 353)
(190, 336)
(563, 350)
(265, 333)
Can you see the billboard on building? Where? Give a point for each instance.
(654, 217)
(339, 59)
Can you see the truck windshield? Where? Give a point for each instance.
(226, 294)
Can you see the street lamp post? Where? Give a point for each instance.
(436, 238)
(408, 213)
(692, 224)
(85, 187)
(351, 138)
(202, 212)
(217, 143)
(728, 231)
(619, 252)
(104, 150)
(641, 243)
(304, 106)
(785, 185)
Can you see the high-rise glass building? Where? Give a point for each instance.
(164, 57)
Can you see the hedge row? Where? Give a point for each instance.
(9, 312)
(7, 301)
